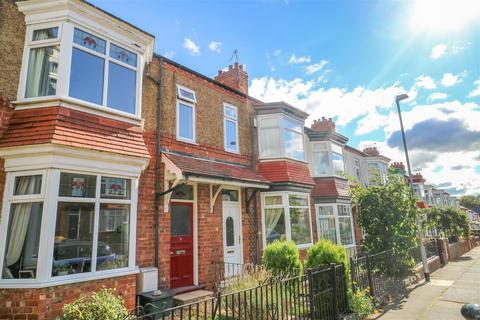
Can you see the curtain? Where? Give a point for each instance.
(19, 220)
(271, 219)
(270, 142)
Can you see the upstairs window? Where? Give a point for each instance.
(230, 127)
(338, 164)
(65, 61)
(321, 159)
(102, 72)
(327, 159)
(43, 57)
(358, 172)
(281, 137)
(185, 114)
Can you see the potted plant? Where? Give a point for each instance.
(63, 269)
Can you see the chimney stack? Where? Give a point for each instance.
(323, 125)
(372, 151)
(235, 77)
(400, 167)
(418, 178)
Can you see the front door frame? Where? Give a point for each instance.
(195, 229)
(240, 222)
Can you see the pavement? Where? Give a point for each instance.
(451, 287)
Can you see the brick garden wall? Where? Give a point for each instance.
(47, 303)
(457, 249)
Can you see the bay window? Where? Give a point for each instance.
(280, 136)
(69, 61)
(327, 159)
(286, 216)
(334, 223)
(43, 57)
(80, 226)
(377, 172)
(337, 160)
(23, 233)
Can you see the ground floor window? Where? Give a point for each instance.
(335, 223)
(287, 216)
(86, 229)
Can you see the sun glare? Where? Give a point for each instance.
(444, 15)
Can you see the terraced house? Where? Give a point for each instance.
(124, 169)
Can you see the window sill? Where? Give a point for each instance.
(76, 104)
(282, 158)
(63, 280)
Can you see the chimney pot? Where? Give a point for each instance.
(230, 67)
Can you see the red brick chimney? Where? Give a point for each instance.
(418, 178)
(323, 125)
(399, 166)
(235, 77)
(372, 151)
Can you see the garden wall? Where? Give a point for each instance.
(455, 250)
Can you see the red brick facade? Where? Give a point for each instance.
(47, 303)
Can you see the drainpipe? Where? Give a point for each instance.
(158, 161)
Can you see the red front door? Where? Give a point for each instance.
(181, 244)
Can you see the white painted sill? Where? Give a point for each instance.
(63, 280)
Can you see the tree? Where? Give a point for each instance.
(470, 202)
(448, 221)
(387, 215)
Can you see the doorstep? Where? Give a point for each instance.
(191, 296)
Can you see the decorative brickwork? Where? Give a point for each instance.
(60, 125)
(323, 125)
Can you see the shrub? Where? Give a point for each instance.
(102, 305)
(449, 222)
(282, 257)
(361, 304)
(325, 252)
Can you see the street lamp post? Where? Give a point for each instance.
(423, 252)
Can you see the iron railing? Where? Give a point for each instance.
(316, 294)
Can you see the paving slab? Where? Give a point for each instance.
(452, 286)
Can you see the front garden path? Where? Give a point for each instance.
(451, 287)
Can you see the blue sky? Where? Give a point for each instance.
(346, 60)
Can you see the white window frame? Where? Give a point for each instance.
(66, 44)
(330, 153)
(50, 198)
(182, 97)
(281, 129)
(286, 206)
(194, 117)
(337, 221)
(234, 120)
(357, 165)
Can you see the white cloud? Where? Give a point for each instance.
(450, 79)
(297, 60)
(425, 82)
(169, 54)
(313, 68)
(191, 46)
(438, 51)
(215, 46)
(342, 104)
(437, 96)
(277, 52)
(475, 92)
